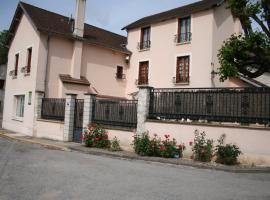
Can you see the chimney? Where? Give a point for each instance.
(79, 18)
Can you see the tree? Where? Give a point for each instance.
(248, 53)
(3, 48)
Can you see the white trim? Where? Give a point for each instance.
(190, 67)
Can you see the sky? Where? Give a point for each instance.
(111, 15)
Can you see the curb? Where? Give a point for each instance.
(174, 162)
(29, 141)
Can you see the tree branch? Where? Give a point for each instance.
(264, 28)
(266, 9)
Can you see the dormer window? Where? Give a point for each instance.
(145, 42)
(184, 30)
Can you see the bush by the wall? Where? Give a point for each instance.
(227, 153)
(203, 149)
(96, 136)
(115, 145)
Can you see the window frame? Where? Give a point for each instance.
(120, 72)
(19, 107)
(178, 77)
(145, 81)
(145, 44)
(16, 64)
(29, 60)
(187, 32)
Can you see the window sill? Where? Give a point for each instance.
(182, 43)
(18, 119)
(142, 50)
(182, 83)
(27, 74)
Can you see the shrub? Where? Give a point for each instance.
(227, 153)
(144, 146)
(202, 147)
(170, 149)
(115, 145)
(96, 136)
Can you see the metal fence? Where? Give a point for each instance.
(53, 109)
(115, 113)
(243, 105)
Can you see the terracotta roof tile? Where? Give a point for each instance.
(65, 78)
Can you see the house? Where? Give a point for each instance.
(179, 47)
(53, 55)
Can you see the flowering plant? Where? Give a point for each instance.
(170, 149)
(202, 147)
(167, 148)
(96, 136)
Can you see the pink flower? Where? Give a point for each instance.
(167, 136)
(162, 148)
(190, 143)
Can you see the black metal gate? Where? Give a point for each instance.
(78, 120)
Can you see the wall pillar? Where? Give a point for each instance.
(88, 109)
(38, 104)
(143, 108)
(69, 117)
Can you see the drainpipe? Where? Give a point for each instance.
(47, 63)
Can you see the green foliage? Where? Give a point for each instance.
(248, 54)
(146, 146)
(115, 145)
(3, 48)
(202, 148)
(96, 136)
(227, 153)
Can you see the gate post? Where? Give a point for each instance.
(88, 108)
(69, 117)
(143, 108)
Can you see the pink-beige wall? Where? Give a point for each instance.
(26, 36)
(253, 142)
(50, 130)
(100, 65)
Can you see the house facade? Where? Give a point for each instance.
(53, 55)
(179, 48)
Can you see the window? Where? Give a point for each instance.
(2, 84)
(19, 106)
(16, 65)
(145, 38)
(29, 59)
(182, 69)
(119, 73)
(29, 98)
(184, 34)
(143, 73)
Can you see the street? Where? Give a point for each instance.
(31, 172)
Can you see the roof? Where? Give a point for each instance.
(65, 78)
(253, 82)
(175, 13)
(53, 23)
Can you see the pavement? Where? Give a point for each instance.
(71, 146)
(32, 172)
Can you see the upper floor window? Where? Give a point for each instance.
(29, 60)
(182, 69)
(120, 72)
(145, 42)
(16, 65)
(184, 30)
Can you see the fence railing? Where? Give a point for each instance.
(53, 109)
(242, 105)
(115, 113)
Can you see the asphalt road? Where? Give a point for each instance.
(31, 172)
